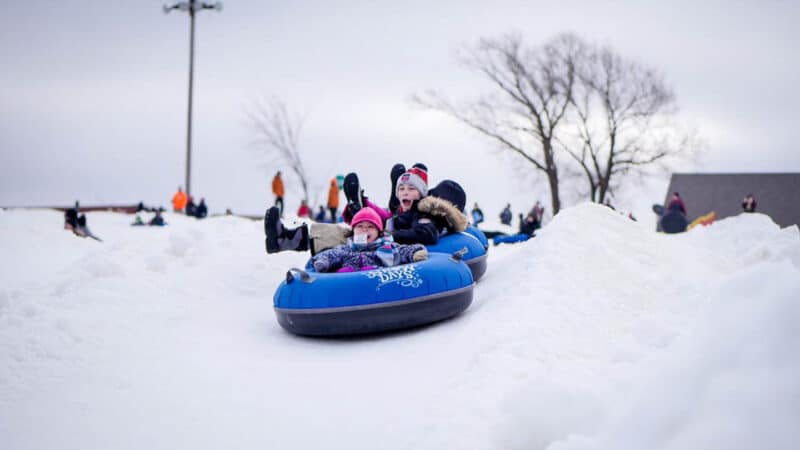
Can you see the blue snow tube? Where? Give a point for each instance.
(513, 239)
(387, 298)
(478, 234)
(475, 257)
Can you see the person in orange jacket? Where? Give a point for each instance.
(179, 200)
(333, 199)
(277, 189)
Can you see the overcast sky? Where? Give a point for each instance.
(93, 94)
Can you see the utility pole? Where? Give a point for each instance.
(192, 6)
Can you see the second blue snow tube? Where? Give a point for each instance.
(479, 235)
(476, 248)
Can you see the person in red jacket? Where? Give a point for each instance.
(303, 210)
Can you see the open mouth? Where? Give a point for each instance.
(406, 203)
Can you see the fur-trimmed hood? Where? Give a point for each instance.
(438, 207)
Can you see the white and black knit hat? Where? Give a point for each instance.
(415, 177)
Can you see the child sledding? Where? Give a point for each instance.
(380, 274)
(367, 249)
(418, 218)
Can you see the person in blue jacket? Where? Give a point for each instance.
(477, 215)
(505, 215)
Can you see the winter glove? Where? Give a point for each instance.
(321, 265)
(420, 255)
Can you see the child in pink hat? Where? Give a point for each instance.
(367, 249)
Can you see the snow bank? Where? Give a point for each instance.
(598, 333)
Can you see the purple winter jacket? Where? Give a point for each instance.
(350, 258)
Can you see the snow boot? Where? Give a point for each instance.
(280, 238)
(273, 229)
(397, 170)
(295, 239)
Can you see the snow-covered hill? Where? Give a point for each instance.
(597, 334)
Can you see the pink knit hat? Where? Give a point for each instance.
(367, 215)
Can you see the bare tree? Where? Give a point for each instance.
(278, 134)
(565, 102)
(533, 93)
(620, 121)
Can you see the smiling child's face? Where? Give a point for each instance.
(407, 194)
(368, 229)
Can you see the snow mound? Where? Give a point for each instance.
(598, 333)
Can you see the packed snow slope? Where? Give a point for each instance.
(597, 334)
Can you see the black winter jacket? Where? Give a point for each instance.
(414, 227)
(426, 220)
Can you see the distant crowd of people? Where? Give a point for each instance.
(676, 203)
(157, 220)
(304, 210)
(182, 202)
(417, 216)
(528, 224)
(674, 218)
(330, 212)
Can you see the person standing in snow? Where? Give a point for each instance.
(179, 200)
(191, 208)
(333, 199)
(277, 189)
(749, 204)
(505, 215)
(303, 210)
(477, 215)
(202, 210)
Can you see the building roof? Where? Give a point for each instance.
(776, 194)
